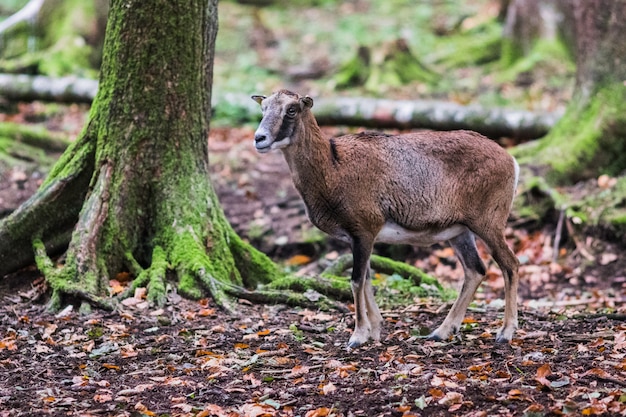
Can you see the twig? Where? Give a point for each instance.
(580, 246)
(612, 316)
(557, 236)
(606, 378)
(284, 371)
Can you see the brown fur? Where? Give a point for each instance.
(424, 185)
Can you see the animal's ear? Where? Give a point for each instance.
(306, 102)
(258, 99)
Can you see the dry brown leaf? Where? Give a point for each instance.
(102, 398)
(299, 370)
(298, 260)
(211, 410)
(206, 312)
(258, 410)
(319, 412)
(542, 373)
(451, 398)
(328, 388)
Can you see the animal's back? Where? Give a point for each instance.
(415, 178)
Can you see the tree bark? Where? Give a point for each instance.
(134, 190)
(590, 139)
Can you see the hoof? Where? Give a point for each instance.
(354, 344)
(434, 337)
(504, 336)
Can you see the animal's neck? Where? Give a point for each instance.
(309, 156)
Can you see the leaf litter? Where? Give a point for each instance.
(192, 359)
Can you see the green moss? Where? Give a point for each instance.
(389, 266)
(254, 266)
(587, 141)
(477, 46)
(334, 287)
(550, 56)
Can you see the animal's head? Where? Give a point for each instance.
(282, 114)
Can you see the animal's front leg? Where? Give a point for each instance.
(361, 250)
(373, 312)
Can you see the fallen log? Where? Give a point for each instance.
(438, 115)
(62, 89)
(349, 111)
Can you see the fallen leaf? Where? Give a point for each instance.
(143, 409)
(451, 398)
(516, 394)
(102, 398)
(542, 373)
(299, 370)
(329, 388)
(185, 408)
(257, 410)
(211, 410)
(205, 312)
(319, 412)
(436, 393)
(298, 260)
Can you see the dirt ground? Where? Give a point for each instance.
(192, 359)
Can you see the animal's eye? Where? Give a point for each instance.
(291, 111)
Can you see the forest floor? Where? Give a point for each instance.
(192, 359)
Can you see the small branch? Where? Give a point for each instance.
(606, 378)
(611, 316)
(580, 246)
(557, 235)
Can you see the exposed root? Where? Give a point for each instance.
(153, 277)
(332, 286)
(309, 299)
(63, 281)
(385, 266)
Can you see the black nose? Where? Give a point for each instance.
(259, 138)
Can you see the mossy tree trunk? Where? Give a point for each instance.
(591, 138)
(134, 191)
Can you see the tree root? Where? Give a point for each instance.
(62, 281)
(153, 277)
(308, 299)
(385, 266)
(333, 286)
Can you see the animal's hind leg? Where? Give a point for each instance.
(465, 247)
(508, 263)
